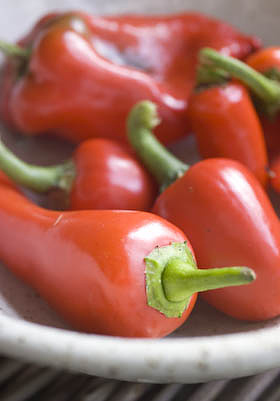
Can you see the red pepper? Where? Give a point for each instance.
(225, 213)
(226, 124)
(267, 61)
(266, 91)
(102, 174)
(124, 273)
(78, 76)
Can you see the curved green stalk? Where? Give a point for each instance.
(13, 50)
(37, 178)
(165, 167)
(172, 276)
(266, 90)
(205, 75)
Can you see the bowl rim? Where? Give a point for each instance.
(180, 360)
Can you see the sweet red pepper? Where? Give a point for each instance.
(124, 273)
(225, 124)
(78, 75)
(102, 174)
(264, 87)
(225, 213)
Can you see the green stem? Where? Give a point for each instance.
(273, 73)
(172, 277)
(14, 50)
(180, 281)
(37, 178)
(165, 167)
(265, 89)
(210, 76)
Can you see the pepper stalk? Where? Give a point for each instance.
(165, 167)
(266, 91)
(13, 50)
(37, 178)
(172, 278)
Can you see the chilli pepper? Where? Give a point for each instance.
(78, 75)
(267, 61)
(102, 174)
(226, 124)
(124, 273)
(225, 213)
(264, 86)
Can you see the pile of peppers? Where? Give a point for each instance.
(141, 232)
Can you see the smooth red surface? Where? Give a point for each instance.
(265, 59)
(108, 176)
(88, 265)
(82, 85)
(226, 124)
(229, 220)
(271, 130)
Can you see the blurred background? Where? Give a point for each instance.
(16, 16)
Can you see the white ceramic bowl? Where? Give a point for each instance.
(210, 345)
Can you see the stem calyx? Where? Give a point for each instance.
(172, 278)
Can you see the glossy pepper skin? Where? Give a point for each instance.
(260, 75)
(225, 213)
(226, 124)
(265, 60)
(84, 73)
(109, 176)
(122, 273)
(229, 219)
(88, 265)
(102, 174)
